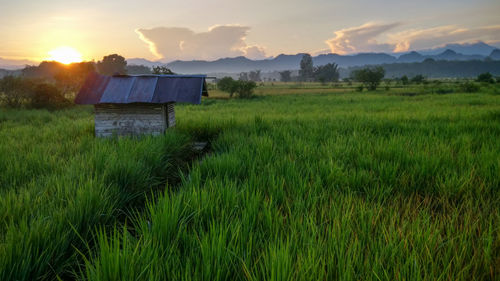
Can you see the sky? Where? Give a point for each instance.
(169, 30)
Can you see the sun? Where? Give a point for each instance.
(65, 55)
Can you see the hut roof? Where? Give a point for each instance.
(142, 89)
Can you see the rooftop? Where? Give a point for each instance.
(121, 89)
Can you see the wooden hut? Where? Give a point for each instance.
(137, 105)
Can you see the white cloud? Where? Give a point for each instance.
(372, 37)
(416, 39)
(172, 43)
(361, 39)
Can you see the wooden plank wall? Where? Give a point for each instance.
(170, 113)
(130, 119)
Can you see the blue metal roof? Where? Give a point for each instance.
(142, 89)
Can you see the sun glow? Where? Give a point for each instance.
(65, 55)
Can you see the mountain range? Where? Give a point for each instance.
(450, 52)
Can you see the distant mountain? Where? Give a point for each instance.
(411, 57)
(14, 64)
(495, 54)
(478, 48)
(145, 62)
(279, 63)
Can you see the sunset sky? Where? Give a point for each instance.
(189, 29)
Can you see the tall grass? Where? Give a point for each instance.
(327, 187)
(343, 186)
(58, 184)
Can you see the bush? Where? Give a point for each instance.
(360, 88)
(469, 87)
(228, 85)
(19, 92)
(48, 96)
(244, 89)
(15, 91)
(443, 90)
(418, 79)
(369, 76)
(485, 78)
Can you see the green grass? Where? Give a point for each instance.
(306, 186)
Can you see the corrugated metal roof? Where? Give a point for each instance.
(142, 89)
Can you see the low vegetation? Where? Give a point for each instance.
(306, 183)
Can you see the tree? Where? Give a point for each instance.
(418, 79)
(162, 70)
(48, 96)
(228, 85)
(404, 80)
(243, 76)
(485, 77)
(327, 73)
(369, 76)
(112, 64)
(286, 76)
(15, 91)
(306, 71)
(254, 76)
(244, 89)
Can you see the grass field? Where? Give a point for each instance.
(299, 184)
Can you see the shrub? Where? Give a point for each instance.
(228, 85)
(485, 78)
(15, 91)
(418, 79)
(469, 87)
(48, 96)
(360, 88)
(21, 92)
(244, 89)
(369, 76)
(404, 80)
(443, 90)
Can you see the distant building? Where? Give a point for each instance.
(137, 105)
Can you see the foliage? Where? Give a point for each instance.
(306, 71)
(439, 69)
(286, 76)
(68, 78)
(162, 70)
(326, 73)
(49, 97)
(19, 92)
(244, 89)
(15, 91)
(418, 79)
(404, 80)
(485, 78)
(228, 85)
(369, 76)
(469, 87)
(243, 76)
(254, 76)
(112, 64)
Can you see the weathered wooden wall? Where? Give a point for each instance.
(133, 119)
